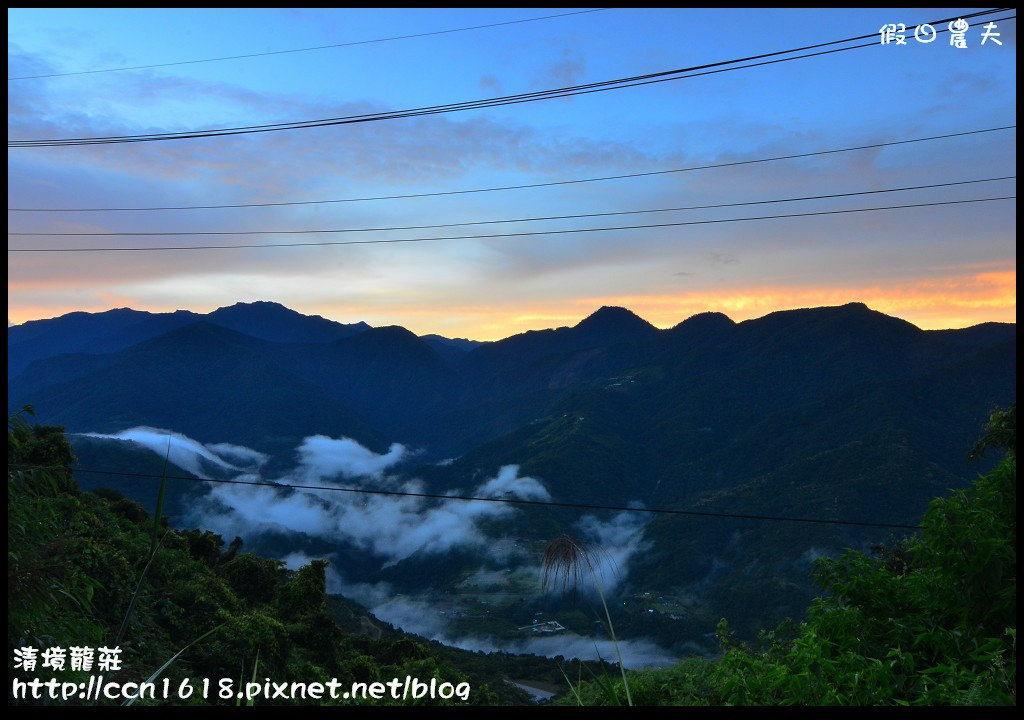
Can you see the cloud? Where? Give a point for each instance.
(423, 618)
(567, 71)
(188, 454)
(507, 483)
(491, 85)
(393, 527)
(424, 154)
(247, 457)
(616, 541)
(479, 288)
(322, 457)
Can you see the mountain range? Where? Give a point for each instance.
(833, 421)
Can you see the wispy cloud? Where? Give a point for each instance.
(479, 287)
(201, 460)
(393, 527)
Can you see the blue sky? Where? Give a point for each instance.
(938, 266)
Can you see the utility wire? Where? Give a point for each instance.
(309, 49)
(475, 104)
(530, 186)
(504, 235)
(473, 498)
(417, 112)
(499, 222)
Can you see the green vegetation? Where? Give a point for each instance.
(925, 620)
(930, 620)
(83, 571)
(48, 593)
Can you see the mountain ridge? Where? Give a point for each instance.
(453, 395)
(835, 413)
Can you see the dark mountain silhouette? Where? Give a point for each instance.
(837, 413)
(705, 372)
(99, 333)
(275, 322)
(459, 344)
(981, 335)
(392, 377)
(611, 326)
(108, 332)
(607, 327)
(205, 381)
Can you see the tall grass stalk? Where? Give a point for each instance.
(154, 545)
(157, 516)
(566, 561)
(176, 655)
(255, 667)
(574, 688)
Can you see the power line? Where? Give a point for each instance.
(473, 498)
(309, 49)
(634, 81)
(529, 186)
(497, 222)
(504, 235)
(417, 112)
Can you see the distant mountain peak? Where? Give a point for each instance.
(611, 325)
(257, 306)
(707, 321)
(614, 316)
(273, 321)
(710, 316)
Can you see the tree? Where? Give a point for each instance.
(46, 593)
(1000, 433)
(934, 621)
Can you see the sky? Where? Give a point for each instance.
(390, 183)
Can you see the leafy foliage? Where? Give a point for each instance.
(929, 620)
(75, 567)
(48, 593)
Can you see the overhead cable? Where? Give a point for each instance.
(635, 81)
(308, 49)
(532, 185)
(507, 235)
(508, 500)
(180, 233)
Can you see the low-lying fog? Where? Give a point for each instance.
(353, 497)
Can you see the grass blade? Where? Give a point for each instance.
(176, 655)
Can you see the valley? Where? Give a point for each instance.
(711, 463)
